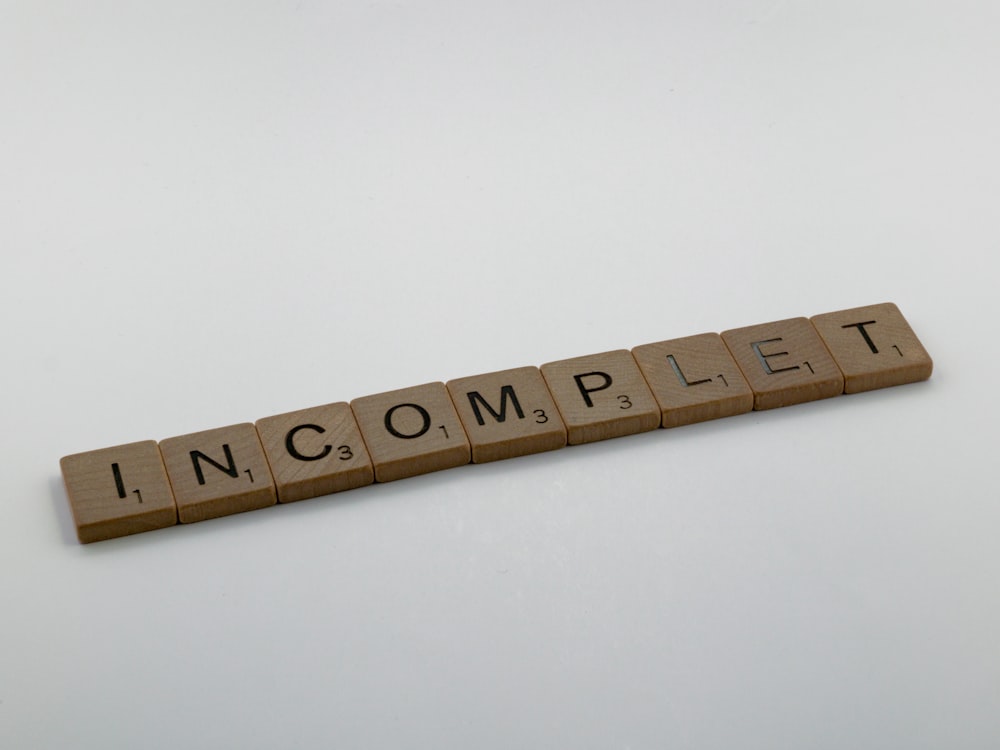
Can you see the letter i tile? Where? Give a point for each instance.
(874, 347)
(218, 472)
(411, 431)
(118, 491)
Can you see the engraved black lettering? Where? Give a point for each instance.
(295, 453)
(806, 363)
(230, 468)
(897, 350)
(542, 416)
(625, 403)
(416, 407)
(680, 374)
(585, 392)
(723, 379)
(137, 494)
(864, 333)
(506, 392)
(119, 482)
(345, 452)
(249, 474)
(764, 357)
(444, 430)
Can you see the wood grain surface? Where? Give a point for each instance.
(218, 472)
(508, 413)
(411, 431)
(694, 379)
(118, 491)
(315, 452)
(874, 347)
(601, 396)
(785, 362)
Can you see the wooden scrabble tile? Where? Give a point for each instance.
(601, 396)
(694, 379)
(874, 347)
(315, 452)
(118, 491)
(218, 472)
(785, 363)
(411, 431)
(507, 414)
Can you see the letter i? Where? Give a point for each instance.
(119, 482)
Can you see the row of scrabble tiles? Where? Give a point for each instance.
(388, 436)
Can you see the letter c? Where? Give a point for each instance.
(293, 451)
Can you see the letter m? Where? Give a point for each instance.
(507, 391)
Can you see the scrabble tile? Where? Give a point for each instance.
(694, 379)
(118, 491)
(315, 452)
(785, 363)
(601, 396)
(874, 347)
(507, 414)
(218, 472)
(411, 431)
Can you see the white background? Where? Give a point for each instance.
(215, 212)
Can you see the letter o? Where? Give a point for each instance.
(420, 410)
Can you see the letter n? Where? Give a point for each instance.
(229, 468)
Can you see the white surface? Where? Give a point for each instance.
(216, 213)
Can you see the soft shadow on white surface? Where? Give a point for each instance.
(61, 510)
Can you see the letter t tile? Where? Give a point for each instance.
(874, 347)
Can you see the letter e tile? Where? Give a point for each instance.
(785, 363)
(218, 472)
(694, 379)
(411, 431)
(118, 491)
(601, 396)
(874, 347)
(507, 414)
(315, 452)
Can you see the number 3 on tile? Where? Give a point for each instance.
(625, 403)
